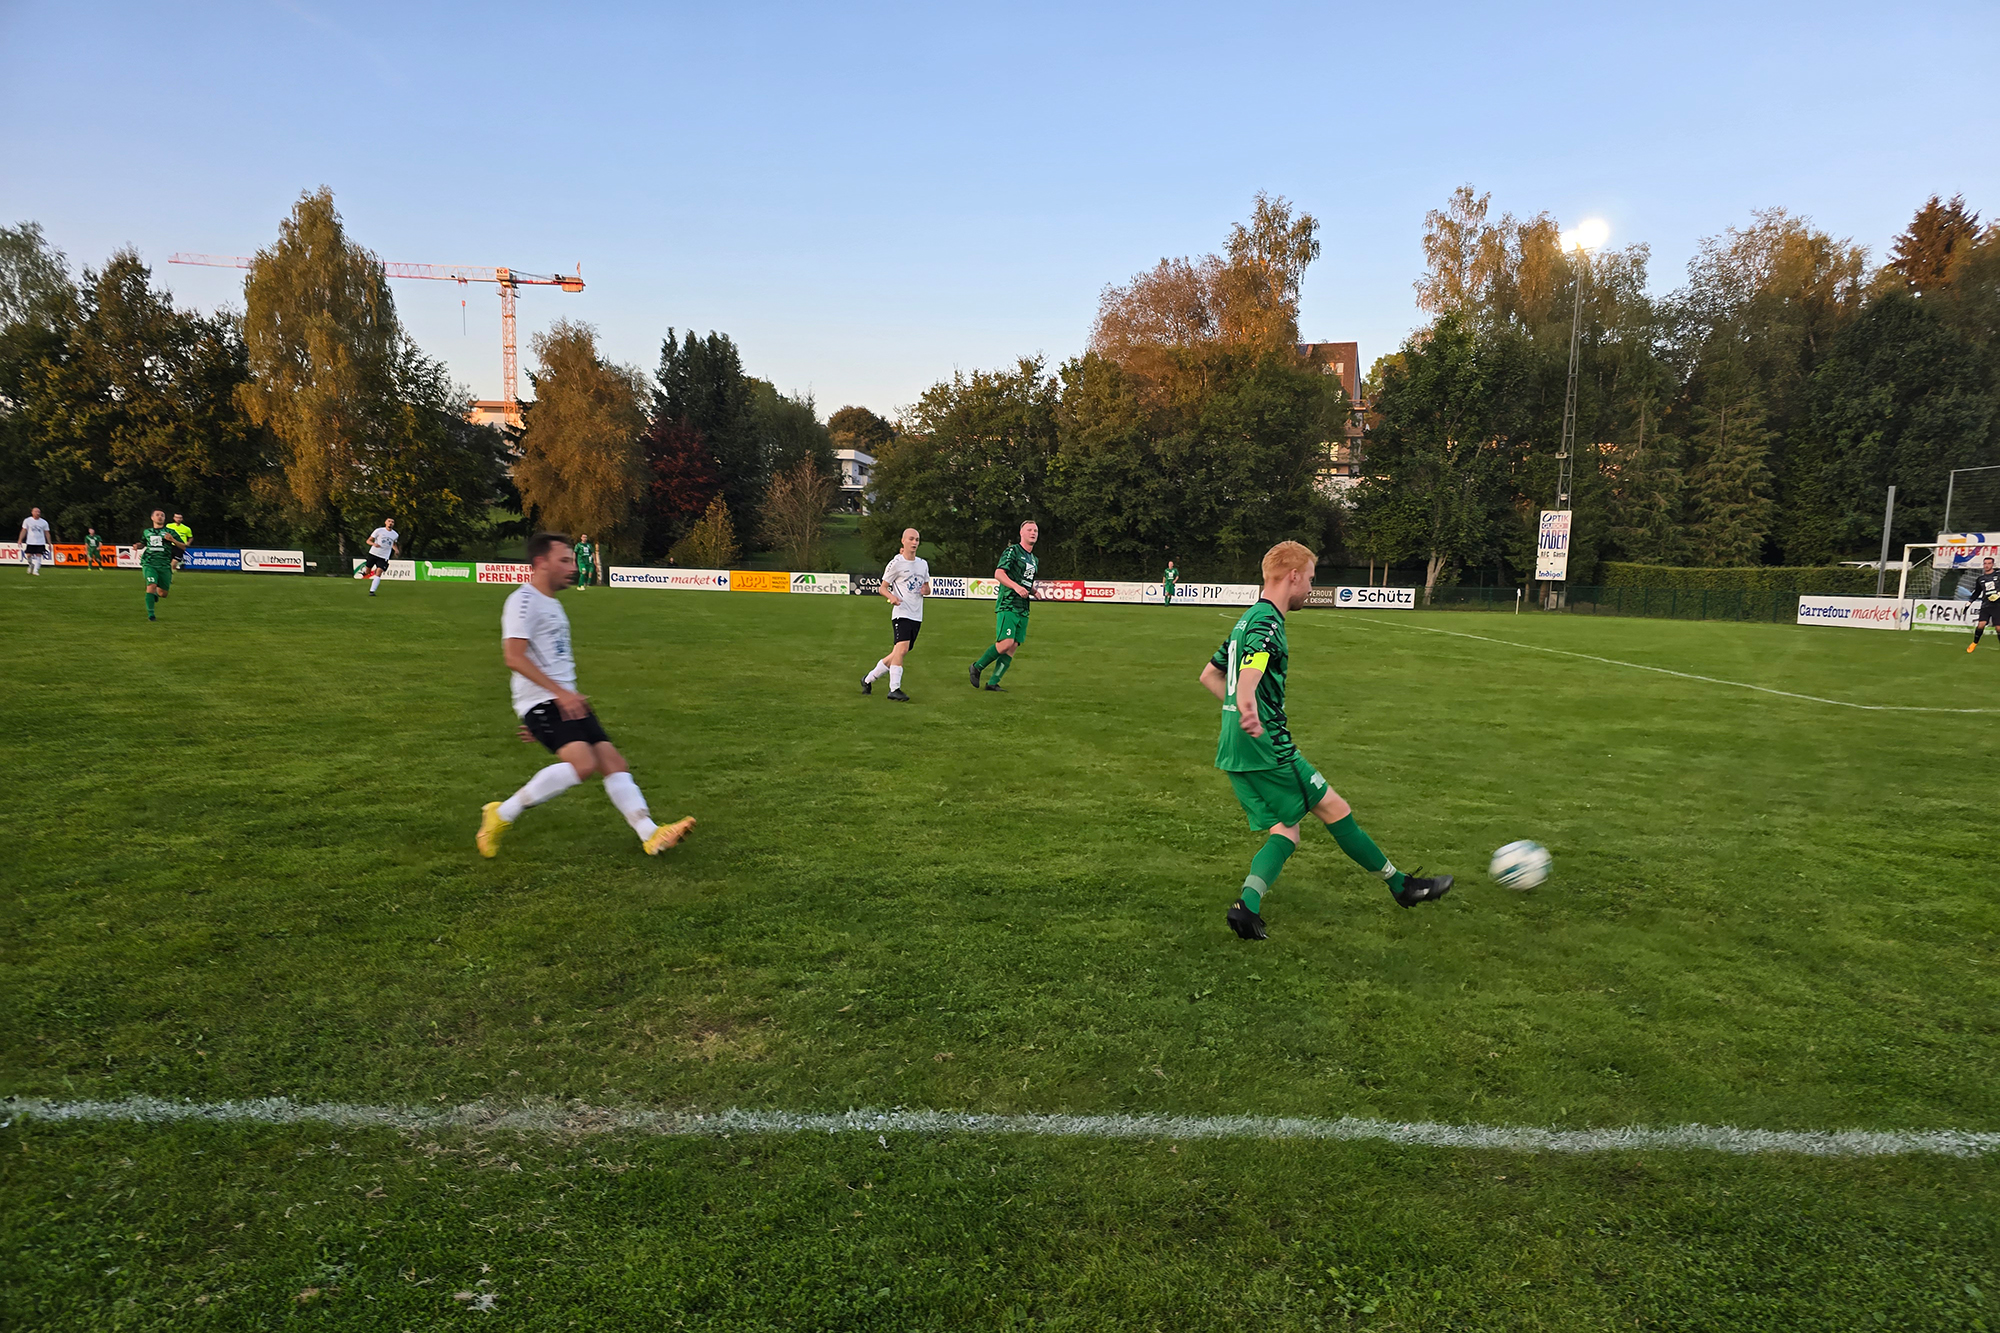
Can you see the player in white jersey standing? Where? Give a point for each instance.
(35, 541)
(906, 581)
(381, 545)
(534, 633)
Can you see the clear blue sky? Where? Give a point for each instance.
(869, 197)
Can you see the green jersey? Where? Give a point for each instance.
(1171, 576)
(91, 544)
(585, 554)
(157, 546)
(1257, 642)
(1020, 566)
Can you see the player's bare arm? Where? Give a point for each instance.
(571, 704)
(1214, 681)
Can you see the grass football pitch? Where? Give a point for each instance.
(237, 852)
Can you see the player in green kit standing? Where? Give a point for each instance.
(158, 547)
(1274, 784)
(1167, 582)
(1016, 576)
(93, 550)
(586, 561)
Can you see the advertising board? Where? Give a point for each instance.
(1552, 546)
(1959, 617)
(80, 555)
(870, 585)
(257, 561)
(820, 583)
(128, 557)
(1855, 612)
(1055, 590)
(675, 580)
(759, 580)
(501, 571)
(228, 558)
(399, 571)
(13, 553)
(453, 571)
(952, 586)
(1119, 591)
(1372, 599)
(1216, 594)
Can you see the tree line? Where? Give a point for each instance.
(310, 415)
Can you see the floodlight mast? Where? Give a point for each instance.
(509, 281)
(1588, 235)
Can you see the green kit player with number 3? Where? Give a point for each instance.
(159, 546)
(1274, 784)
(1015, 574)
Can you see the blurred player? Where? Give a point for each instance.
(382, 545)
(158, 546)
(906, 581)
(35, 541)
(1985, 592)
(184, 534)
(1167, 582)
(1016, 576)
(586, 562)
(534, 635)
(1274, 784)
(93, 550)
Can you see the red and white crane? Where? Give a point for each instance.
(508, 280)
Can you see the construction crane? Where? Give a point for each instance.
(508, 279)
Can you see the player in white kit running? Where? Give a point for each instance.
(906, 581)
(35, 545)
(534, 632)
(381, 545)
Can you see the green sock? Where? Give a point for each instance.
(986, 658)
(1264, 868)
(1361, 850)
(1006, 660)
(151, 599)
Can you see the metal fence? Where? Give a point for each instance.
(1659, 603)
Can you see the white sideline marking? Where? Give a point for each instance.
(1684, 675)
(557, 1118)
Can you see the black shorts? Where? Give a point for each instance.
(904, 628)
(375, 562)
(42, 551)
(546, 724)
(1989, 613)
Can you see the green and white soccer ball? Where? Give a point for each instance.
(1520, 865)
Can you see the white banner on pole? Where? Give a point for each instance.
(1552, 547)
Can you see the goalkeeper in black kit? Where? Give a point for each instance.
(1986, 595)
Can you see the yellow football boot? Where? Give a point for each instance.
(491, 826)
(666, 835)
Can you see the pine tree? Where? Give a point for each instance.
(1923, 254)
(1730, 488)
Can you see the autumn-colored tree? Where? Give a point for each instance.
(681, 479)
(711, 543)
(794, 516)
(1936, 238)
(322, 335)
(580, 468)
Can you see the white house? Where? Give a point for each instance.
(855, 468)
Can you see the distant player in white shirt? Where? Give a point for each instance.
(534, 633)
(906, 581)
(35, 541)
(381, 545)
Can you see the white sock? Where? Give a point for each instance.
(895, 678)
(631, 803)
(375, 583)
(876, 674)
(546, 785)
(34, 564)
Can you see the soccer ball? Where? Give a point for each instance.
(1520, 865)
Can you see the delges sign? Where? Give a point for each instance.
(1855, 612)
(1552, 546)
(1375, 599)
(679, 580)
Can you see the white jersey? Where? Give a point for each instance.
(906, 578)
(382, 542)
(537, 617)
(35, 532)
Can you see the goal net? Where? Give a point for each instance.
(1938, 578)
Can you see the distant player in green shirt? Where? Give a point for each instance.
(586, 561)
(158, 545)
(93, 549)
(1167, 582)
(186, 536)
(1016, 576)
(1274, 784)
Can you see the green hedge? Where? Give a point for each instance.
(1823, 580)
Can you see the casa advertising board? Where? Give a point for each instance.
(1951, 614)
(870, 585)
(673, 580)
(1552, 546)
(224, 558)
(257, 561)
(820, 583)
(1855, 612)
(399, 571)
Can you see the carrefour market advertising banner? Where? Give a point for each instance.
(1855, 612)
(677, 580)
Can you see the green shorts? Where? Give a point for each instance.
(1010, 625)
(1273, 796)
(160, 576)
